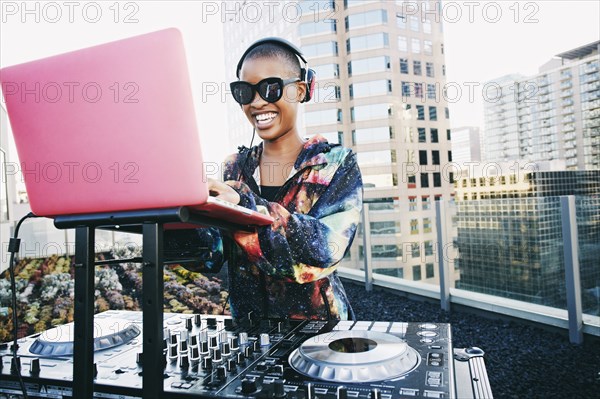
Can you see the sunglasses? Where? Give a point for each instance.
(269, 89)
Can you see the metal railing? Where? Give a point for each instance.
(572, 318)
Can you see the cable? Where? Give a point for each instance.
(239, 178)
(13, 248)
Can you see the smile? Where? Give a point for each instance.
(266, 118)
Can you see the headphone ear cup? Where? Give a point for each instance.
(311, 79)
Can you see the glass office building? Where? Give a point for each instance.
(510, 238)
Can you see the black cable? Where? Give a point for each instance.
(239, 178)
(13, 248)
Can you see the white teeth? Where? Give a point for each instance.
(266, 117)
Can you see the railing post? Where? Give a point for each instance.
(440, 225)
(571, 261)
(367, 247)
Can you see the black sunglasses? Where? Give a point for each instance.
(269, 89)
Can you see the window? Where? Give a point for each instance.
(426, 202)
(447, 113)
(387, 227)
(404, 65)
(372, 88)
(435, 157)
(401, 21)
(367, 42)
(326, 93)
(424, 180)
(422, 135)
(403, 44)
(412, 204)
(429, 270)
(420, 112)
(323, 117)
(380, 180)
(385, 251)
(417, 68)
(406, 91)
(437, 179)
(427, 47)
(426, 225)
(320, 49)
(432, 113)
(385, 157)
(427, 26)
(428, 244)
(422, 157)
(414, 226)
(419, 90)
(381, 134)
(429, 70)
(416, 272)
(415, 249)
(327, 71)
(431, 93)
(434, 135)
(316, 28)
(415, 45)
(449, 156)
(369, 18)
(368, 65)
(448, 134)
(414, 23)
(371, 111)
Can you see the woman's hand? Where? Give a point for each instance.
(223, 191)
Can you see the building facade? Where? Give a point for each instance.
(380, 71)
(510, 239)
(554, 115)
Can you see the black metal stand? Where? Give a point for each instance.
(151, 224)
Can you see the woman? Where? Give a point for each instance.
(312, 189)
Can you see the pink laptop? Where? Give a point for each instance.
(112, 128)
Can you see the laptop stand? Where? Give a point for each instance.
(151, 224)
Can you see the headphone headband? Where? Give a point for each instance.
(273, 40)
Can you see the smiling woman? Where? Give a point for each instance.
(311, 188)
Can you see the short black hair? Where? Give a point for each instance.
(273, 50)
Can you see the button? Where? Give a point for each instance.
(436, 347)
(427, 333)
(186, 385)
(427, 340)
(433, 394)
(428, 326)
(341, 393)
(409, 392)
(434, 363)
(435, 382)
(265, 340)
(248, 386)
(279, 389)
(176, 385)
(436, 355)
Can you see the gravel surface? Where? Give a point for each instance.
(522, 360)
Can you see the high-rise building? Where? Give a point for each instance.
(466, 145)
(380, 72)
(552, 115)
(510, 239)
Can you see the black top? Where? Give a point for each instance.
(269, 192)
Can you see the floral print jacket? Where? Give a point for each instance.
(288, 269)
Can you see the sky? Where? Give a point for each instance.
(483, 40)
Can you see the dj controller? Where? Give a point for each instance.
(209, 356)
